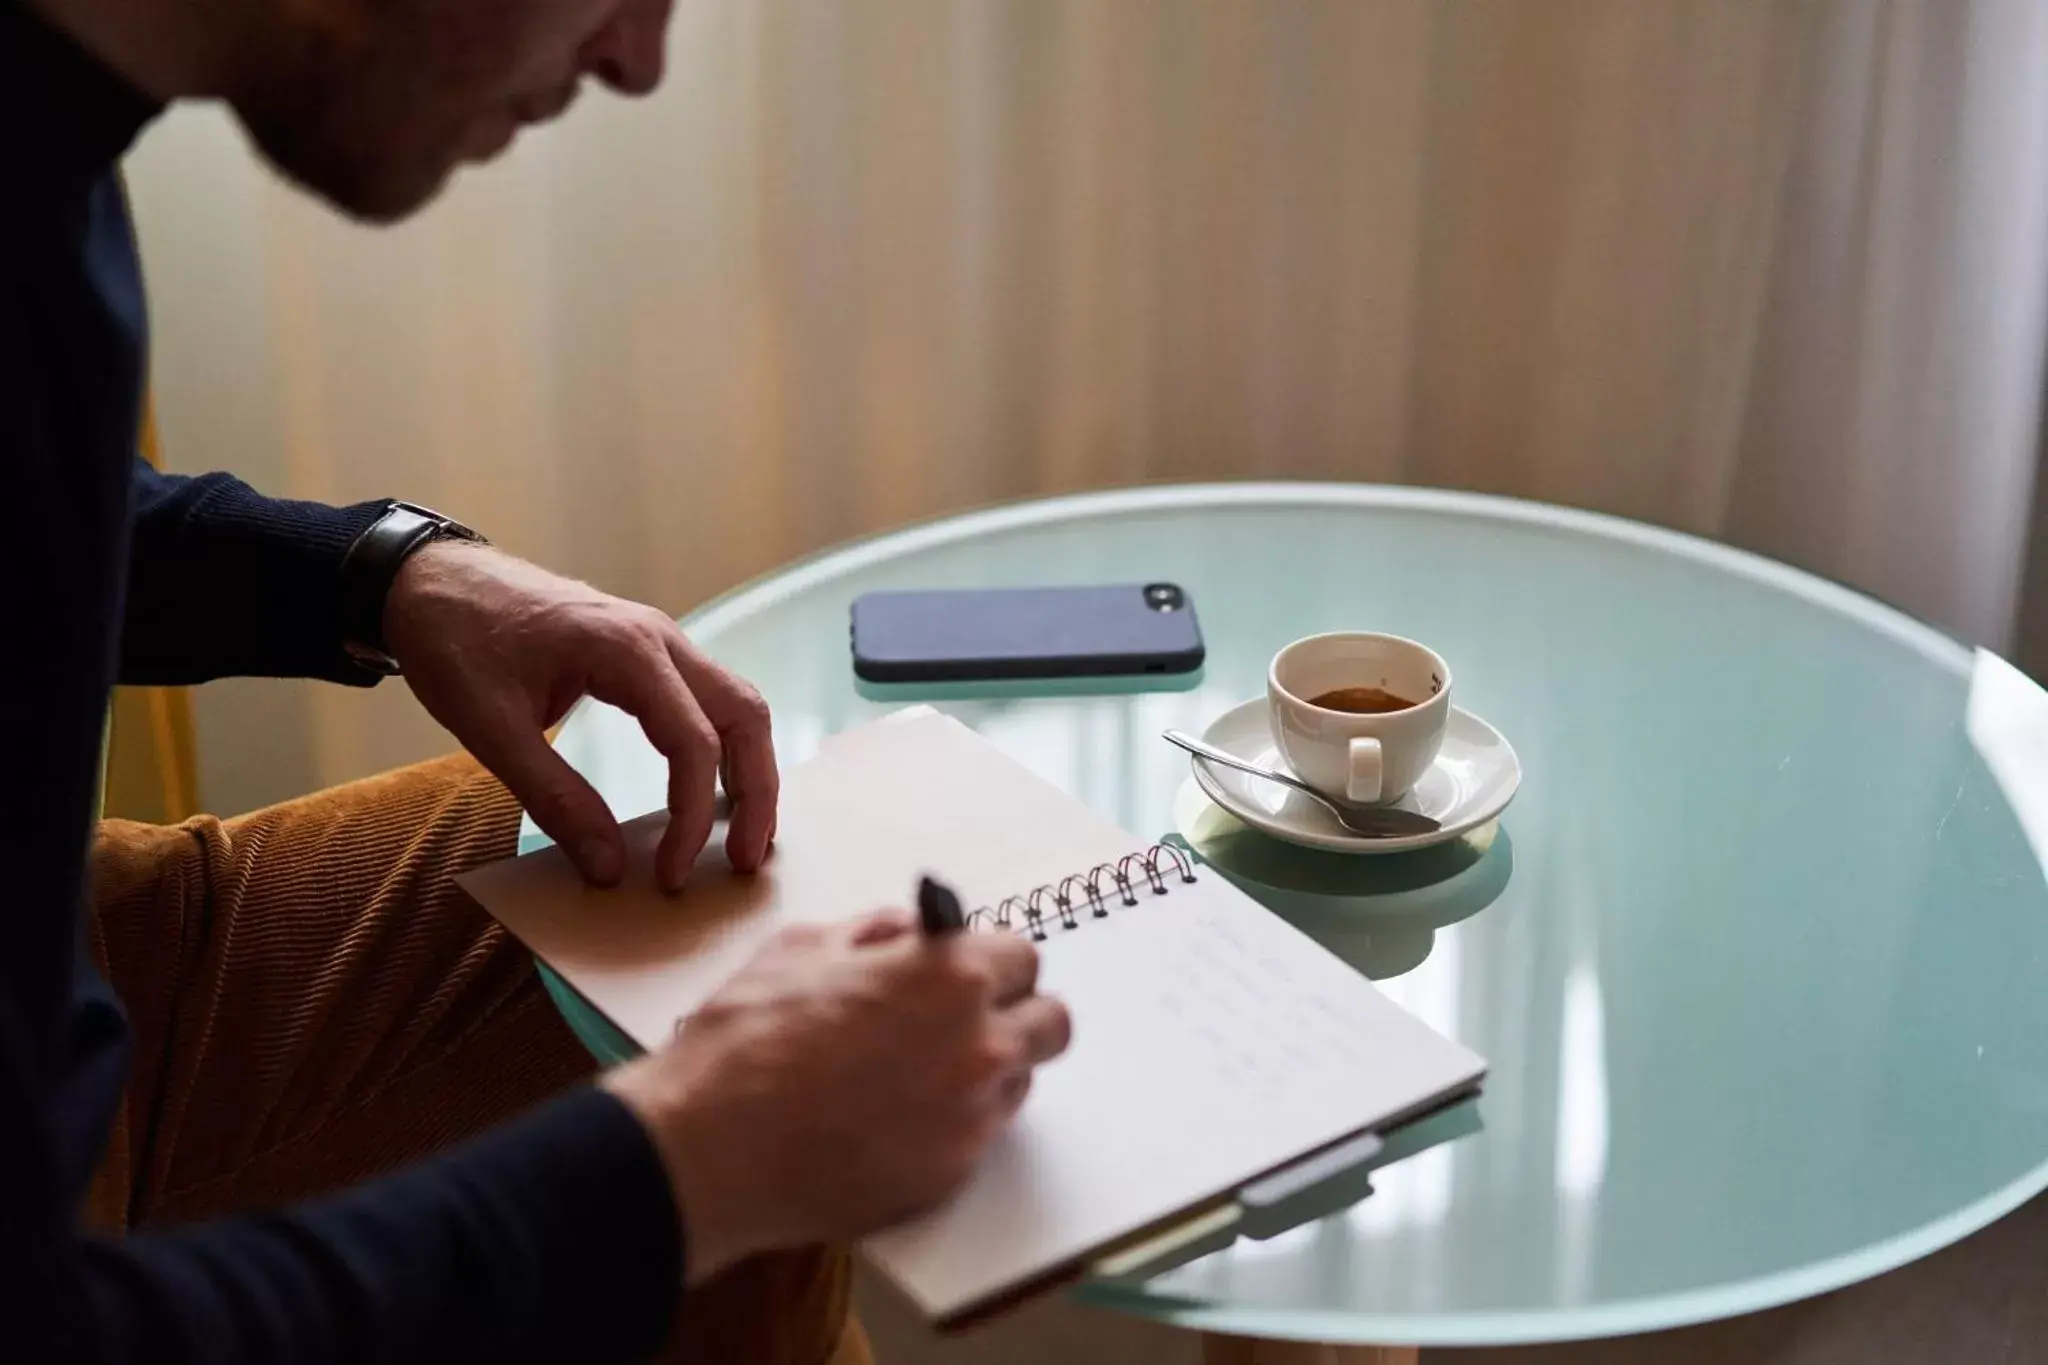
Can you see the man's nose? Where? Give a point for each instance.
(626, 54)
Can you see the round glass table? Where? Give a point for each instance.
(1758, 956)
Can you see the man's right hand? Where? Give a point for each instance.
(848, 1077)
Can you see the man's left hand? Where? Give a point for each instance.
(498, 650)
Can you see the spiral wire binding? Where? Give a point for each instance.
(1064, 902)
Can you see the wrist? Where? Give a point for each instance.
(686, 1138)
(371, 570)
(428, 573)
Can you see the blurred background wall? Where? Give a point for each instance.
(1764, 269)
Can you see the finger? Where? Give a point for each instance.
(747, 737)
(643, 680)
(881, 927)
(728, 784)
(1010, 961)
(691, 814)
(565, 806)
(1040, 1025)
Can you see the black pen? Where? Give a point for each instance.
(938, 909)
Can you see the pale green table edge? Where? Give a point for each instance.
(1650, 1314)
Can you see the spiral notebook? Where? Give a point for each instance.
(1214, 1044)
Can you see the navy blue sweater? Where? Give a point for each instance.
(552, 1239)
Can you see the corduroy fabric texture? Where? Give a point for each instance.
(314, 1001)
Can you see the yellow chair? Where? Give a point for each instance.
(151, 770)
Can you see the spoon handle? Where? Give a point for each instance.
(1230, 760)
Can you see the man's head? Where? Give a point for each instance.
(373, 103)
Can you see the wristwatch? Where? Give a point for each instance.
(372, 563)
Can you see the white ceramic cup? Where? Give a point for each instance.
(1360, 757)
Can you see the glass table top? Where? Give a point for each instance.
(1758, 956)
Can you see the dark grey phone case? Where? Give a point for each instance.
(974, 634)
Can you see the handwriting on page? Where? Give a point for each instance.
(1245, 1017)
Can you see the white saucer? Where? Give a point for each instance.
(1473, 779)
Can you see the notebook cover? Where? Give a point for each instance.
(1213, 1043)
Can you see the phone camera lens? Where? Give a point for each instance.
(1163, 597)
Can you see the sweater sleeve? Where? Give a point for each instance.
(223, 581)
(552, 1238)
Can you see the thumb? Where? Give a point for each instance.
(565, 806)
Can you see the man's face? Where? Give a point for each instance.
(373, 103)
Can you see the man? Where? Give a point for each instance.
(314, 1009)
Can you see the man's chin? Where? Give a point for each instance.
(379, 200)
(382, 205)
(373, 192)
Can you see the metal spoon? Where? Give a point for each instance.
(1371, 822)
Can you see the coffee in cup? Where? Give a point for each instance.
(1359, 716)
(1361, 701)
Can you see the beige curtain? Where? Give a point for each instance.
(1768, 270)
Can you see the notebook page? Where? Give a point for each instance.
(1213, 1042)
(915, 793)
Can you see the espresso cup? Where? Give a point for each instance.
(1366, 757)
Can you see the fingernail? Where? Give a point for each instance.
(602, 860)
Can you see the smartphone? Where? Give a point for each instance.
(992, 634)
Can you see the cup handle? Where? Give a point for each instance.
(1366, 777)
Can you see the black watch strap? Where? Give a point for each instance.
(372, 563)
